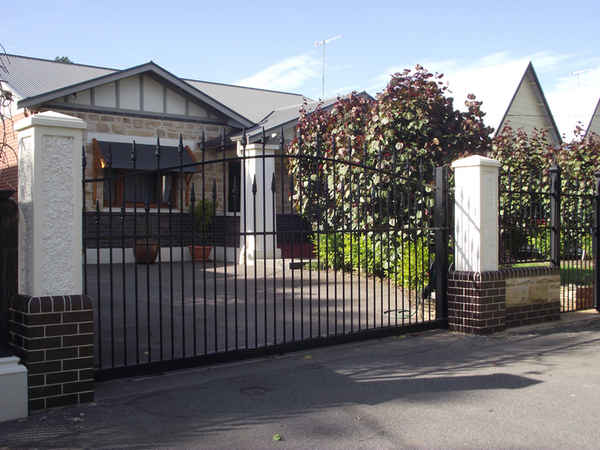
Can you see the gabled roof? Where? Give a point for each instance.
(37, 80)
(594, 125)
(506, 117)
(149, 67)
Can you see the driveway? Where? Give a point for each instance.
(171, 310)
(534, 387)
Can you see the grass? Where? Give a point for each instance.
(568, 275)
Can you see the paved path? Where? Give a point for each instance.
(534, 387)
(169, 314)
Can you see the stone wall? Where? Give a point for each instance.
(532, 295)
(130, 127)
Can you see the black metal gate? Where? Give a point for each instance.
(9, 223)
(273, 281)
(547, 219)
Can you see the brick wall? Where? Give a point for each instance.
(476, 302)
(54, 336)
(9, 177)
(487, 302)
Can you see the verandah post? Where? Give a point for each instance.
(555, 215)
(440, 218)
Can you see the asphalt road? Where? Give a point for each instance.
(534, 387)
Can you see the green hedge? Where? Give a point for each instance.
(385, 255)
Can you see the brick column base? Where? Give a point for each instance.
(476, 302)
(54, 337)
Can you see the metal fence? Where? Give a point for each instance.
(546, 219)
(9, 222)
(321, 284)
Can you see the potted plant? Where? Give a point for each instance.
(145, 251)
(146, 247)
(202, 216)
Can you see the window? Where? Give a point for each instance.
(137, 189)
(234, 186)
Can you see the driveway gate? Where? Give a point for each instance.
(266, 288)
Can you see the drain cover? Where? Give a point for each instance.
(253, 391)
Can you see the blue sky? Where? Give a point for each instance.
(481, 47)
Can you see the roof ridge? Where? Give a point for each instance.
(243, 87)
(58, 62)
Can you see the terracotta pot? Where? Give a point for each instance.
(145, 253)
(584, 297)
(303, 250)
(200, 252)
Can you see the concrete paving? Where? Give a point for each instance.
(166, 311)
(533, 387)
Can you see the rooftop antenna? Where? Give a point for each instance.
(323, 44)
(578, 73)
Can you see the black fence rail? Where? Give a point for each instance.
(546, 219)
(105, 230)
(285, 282)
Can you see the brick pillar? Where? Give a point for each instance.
(476, 290)
(476, 302)
(52, 322)
(54, 337)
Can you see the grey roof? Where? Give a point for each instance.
(136, 70)
(33, 77)
(287, 115)
(252, 103)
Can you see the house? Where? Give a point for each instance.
(594, 125)
(143, 103)
(528, 108)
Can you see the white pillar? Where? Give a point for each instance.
(476, 214)
(50, 204)
(13, 385)
(254, 247)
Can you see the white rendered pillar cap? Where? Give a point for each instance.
(475, 161)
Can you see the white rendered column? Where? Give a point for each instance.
(257, 246)
(476, 214)
(50, 204)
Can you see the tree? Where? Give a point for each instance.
(63, 59)
(526, 160)
(381, 154)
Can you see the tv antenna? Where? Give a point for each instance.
(323, 44)
(578, 73)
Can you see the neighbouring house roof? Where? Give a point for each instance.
(288, 115)
(38, 80)
(517, 118)
(594, 125)
(31, 77)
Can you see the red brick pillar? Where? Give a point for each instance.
(54, 337)
(476, 302)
